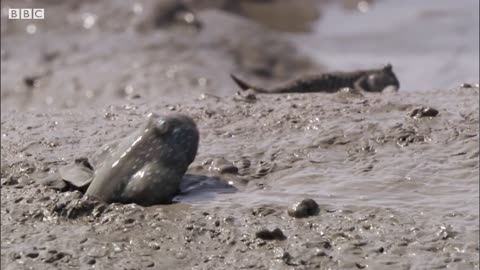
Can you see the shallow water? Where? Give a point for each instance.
(438, 178)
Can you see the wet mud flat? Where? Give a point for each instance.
(387, 181)
(395, 175)
(87, 56)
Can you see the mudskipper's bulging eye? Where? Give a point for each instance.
(162, 127)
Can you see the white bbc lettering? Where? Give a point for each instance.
(14, 13)
(38, 13)
(26, 13)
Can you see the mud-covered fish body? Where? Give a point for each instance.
(147, 166)
(372, 80)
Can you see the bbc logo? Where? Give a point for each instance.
(26, 13)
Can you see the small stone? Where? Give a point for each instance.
(90, 260)
(423, 112)
(31, 254)
(129, 221)
(221, 165)
(229, 220)
(266, 234)
(446, 232)
(245, 96)
(30, 81)
(320, 253)
(466, 85)
(303, 209)
(326, 245)
(281, 254)
(367, 227)
(154, 245)
(110, 116)
(360, 266)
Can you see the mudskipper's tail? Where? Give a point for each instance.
(245, 86)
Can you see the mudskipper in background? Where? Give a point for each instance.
(372, 80)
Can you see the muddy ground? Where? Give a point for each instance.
(394, 191)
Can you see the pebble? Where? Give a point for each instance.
(89, 260)
(281, 254)
(30, 81)
(303, 209)
(423, 112)
(360, 266)
(245, 96)
(266, 234)
(469, 85)
(31, 254)
(221, 165)
(446, 232)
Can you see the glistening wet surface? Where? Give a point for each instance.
(361, 160)
(395, 175)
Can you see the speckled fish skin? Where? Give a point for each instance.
(371, 80)
(146, 167)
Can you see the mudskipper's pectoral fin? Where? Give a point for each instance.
(361, 84)
(77, 175)
(152, 184)
(242, 84)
